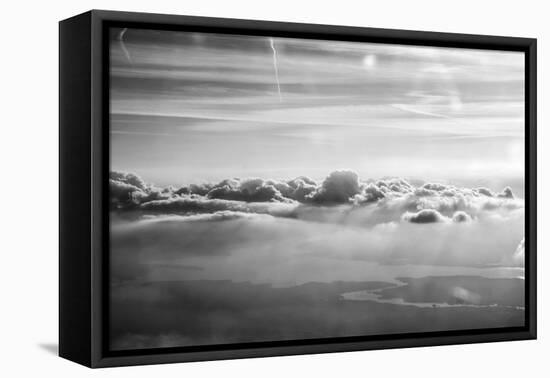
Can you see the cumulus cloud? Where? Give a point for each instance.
(435, 187)
(300, 188)
(461, 216)
(254, 190)
(129, 179)
(506, 193)
(425, 216)
(122, 193)
(340, 198)
(338, 187)
(383, 189)
(485, 192)
(371, 193)
(200, 189)
(128, 190)
(248, 190)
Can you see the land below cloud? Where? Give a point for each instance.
(185, 313)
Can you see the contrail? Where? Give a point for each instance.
(272, 43)
(123, 46)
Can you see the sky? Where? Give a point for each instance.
(198, 107)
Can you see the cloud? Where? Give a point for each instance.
(435, 187)
(341, 198)
(506, 193)
(461, 216)
(371, 193)
(383, 189)
(338, 187)
(200, 189)
(300, 188)
(318, 244)
(194, 204)
(425, 216)
(465, 295)
(254, 190)
(485, 192)
(128, 190)
(122, 194)
(128, 178)
(248, 190)
(202, 217)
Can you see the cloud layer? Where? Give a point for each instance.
(277, 231)
(391, 199)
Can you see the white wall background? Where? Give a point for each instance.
(28, 186)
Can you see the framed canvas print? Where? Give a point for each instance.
(233, 188)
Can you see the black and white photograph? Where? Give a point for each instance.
(269, 189)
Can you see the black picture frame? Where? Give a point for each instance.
(83, 196)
